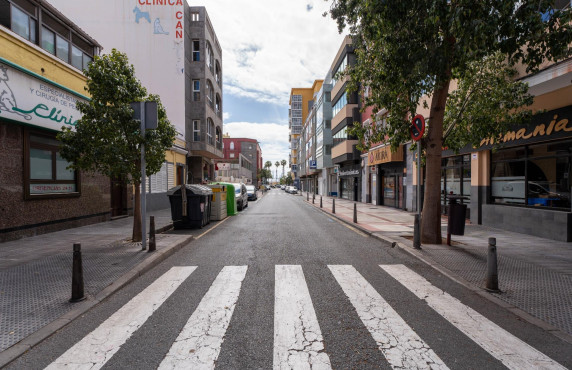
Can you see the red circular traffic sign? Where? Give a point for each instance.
(417, 127)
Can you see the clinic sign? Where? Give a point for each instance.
(36, 102)
(158, 28)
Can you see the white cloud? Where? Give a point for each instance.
(225, 115)
(273, 139)
(272, 46)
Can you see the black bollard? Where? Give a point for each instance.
(313, 198)
(355, 213)
(77, 275)
(334, 205)
(152, 243)
(307, 196)
(320, 201)
(492, 283)
(416, 233)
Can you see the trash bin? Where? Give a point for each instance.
(231, 208)
(456, 213)
(218, 201)
(198, 210)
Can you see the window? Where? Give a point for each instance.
(342, 102)
(196, 51)
(46, 172)
(195, 17)
(232, 145)
(218, 106)
(535, 175)
(210, 58)
(23, 24)
(231, 155)
(48, 40)
(210, 94)
(196, 90)
(210, 131)
(456, 180)
(341, 136)
(341, 68)
(196, 130)
(62, 48)
(218, 73)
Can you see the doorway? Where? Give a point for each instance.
(118, 198)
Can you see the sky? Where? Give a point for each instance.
(269, 47)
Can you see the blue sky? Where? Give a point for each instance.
(269, 47)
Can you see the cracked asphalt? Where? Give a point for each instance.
(281, 229)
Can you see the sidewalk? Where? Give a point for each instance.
(535, 274)
(35, 275)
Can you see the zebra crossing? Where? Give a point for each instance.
(298, 340)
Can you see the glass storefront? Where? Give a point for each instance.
(533, 175)
(456, 179)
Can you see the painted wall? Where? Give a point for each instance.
(151, 36)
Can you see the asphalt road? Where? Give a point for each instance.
(283, 285)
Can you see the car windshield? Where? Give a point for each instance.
(250, 187)
(236, 188)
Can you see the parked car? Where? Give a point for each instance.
(291, 190)
(241, 196)
(251, 192)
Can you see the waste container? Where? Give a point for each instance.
(218, 201)
(198, 210)
(456, 214)
(231, 208)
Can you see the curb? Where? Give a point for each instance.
(407, 246)
(12, 353)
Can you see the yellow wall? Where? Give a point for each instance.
(31, 57)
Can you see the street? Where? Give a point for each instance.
(283, 285)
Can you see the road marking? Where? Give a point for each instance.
(400, 345)
(96, 348)
(212, 228)
(198, 345)
(298, 342)
(511, 351)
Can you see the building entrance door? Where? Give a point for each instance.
(118, 198)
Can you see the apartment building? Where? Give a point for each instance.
(42, 54)
(345, 111)
(299, 104)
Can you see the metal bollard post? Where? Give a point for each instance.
(355, 213)
(313, 198)
(416, 233)
(320, 201)
(333, 205)
(307, 196)
(152, 243)
(77, 275)
(492, 283)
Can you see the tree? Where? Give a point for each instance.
(283, 163)
(106, 139)
(267, 166)
(408, 49)
(277, 164)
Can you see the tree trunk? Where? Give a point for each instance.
(136, 237)
(431, 217)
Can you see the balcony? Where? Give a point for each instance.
(345, 149)
(339, 84)
(345, 112)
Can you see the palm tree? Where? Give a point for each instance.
(283, 163)
(267, 166)
(277, 164)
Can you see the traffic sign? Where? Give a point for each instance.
(417, 127)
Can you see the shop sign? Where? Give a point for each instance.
(223, 166)
(313, 164)
(51, 188)
(385, 155)
(35, 102)
(546, 126)
(350, 172)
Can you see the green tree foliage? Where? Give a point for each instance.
(407, 49)
(283, 163)
(106, 138)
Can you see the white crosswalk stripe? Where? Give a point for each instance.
(95, 349)
(511, 351)
(198, 344)
(400, 345)
(298, 342)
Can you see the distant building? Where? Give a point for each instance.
(300, 98)
(249, 148)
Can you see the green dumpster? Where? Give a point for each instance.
(230, 198)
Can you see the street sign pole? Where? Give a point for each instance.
(143, 180)
(419, 178)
